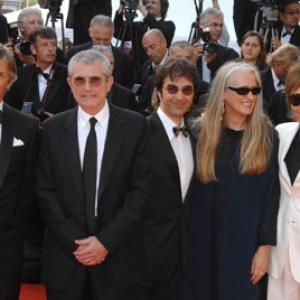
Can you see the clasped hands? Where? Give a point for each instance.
(90, 251)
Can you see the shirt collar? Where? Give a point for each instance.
(154, 66)
(284, 30)
(276, 80)
(167, 123)
(1, 105)
(102, 116)
(48, 70)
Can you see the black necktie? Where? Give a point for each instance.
(90, 176)
(182, 129)
(286, 33)
(45, 75)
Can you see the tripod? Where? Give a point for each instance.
(53, 15)
(265, 22)
(194, 34)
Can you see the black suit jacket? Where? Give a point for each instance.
(139, 29)
(16, 183)
(56, 99)
(123, 64)
(3, 30)
(166, 213)
(278, 110)
(123, 192)
(267, 87)
(80, 14)
(295, 37)
(224, 54)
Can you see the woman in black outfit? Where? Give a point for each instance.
(235, 203)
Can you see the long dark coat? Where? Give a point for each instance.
(250, 221)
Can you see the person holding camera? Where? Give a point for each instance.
(289, 29)
(211, 54)
(41, 88)
(154, 13)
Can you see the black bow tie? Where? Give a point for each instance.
(280, 83)
(183, 129)
(286, 33)
(45, 75)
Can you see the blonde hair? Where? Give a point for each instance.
(257, 138)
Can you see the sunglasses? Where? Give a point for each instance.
(244, 90)
(94, 81)
(173, 89)
(294, 99)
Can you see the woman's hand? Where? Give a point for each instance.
(260, 263)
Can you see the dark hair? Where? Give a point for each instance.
(174, 68)
(164, 6)
(285, 3)
(43, 32)
(292, 81)
(261, 59)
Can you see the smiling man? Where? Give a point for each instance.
(93, 183)
(172, 166)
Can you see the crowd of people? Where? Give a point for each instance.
(156, 170)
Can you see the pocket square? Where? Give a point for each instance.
(17, 142)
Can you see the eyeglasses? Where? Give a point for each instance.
(244, 90)
(81, 81)
(294, 99)
(186, 90)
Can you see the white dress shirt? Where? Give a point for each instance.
(206, 72)
(182, 148)
(43, 82)
(83, 126)
(286, 39)
(276, 80)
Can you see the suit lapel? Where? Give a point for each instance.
(114, 138)
(286, 139)
(6, 142)
(71, 148)
(165, 148)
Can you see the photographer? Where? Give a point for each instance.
(289, 30)
(154, 13)
(212, 55)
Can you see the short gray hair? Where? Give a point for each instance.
(90, 57)
(28, 11)
(181, 45)
(102, 20)
(210, 13)
(104, 50)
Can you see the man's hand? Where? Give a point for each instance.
(25, 59)
(90, 251)
(198, 51)
(275, 43)
(260, 263)
(142, 8)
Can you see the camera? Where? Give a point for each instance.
(130, 4)
(24, 47)
(211, 48)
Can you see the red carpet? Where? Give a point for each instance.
(32, 292)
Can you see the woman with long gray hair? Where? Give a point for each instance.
(235, 202)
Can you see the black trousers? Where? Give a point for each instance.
(10, 286)
(91, 284)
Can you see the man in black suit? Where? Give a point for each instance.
(154, 13)
(18, 133)
(273, 78)
(92, 184)
(101, 33)
(80, 14)
(41, 89)
(172, 167)
(289, 29)
(211, 58)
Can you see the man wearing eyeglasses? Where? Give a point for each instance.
(289, 30)
(92, 186)
(172, 166)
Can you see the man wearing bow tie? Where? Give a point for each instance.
(41, 88)
(92, 184)
(18, 133)
(172, 166)
(289, 29)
